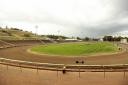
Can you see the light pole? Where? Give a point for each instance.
(36, 31)
(58, 32)
(36, 28)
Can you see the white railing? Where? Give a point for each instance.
(69, 67)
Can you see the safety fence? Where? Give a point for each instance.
(67, 67)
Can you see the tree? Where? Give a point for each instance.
(108, 38)
(86, 38)
(78, 38)
(56, 37)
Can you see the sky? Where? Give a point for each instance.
(92, 18)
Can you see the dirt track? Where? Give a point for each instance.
(24, 76)
(14, 76)
(21, 53)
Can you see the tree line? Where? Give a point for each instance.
(111, 38)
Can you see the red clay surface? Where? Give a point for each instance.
(20, 53)
(24, 76)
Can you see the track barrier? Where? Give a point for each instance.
(68, 67)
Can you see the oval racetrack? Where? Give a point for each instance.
(21, 53)
(24, 76)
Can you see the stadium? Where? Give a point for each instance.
(62, 59)
(63, 42)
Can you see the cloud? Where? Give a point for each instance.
(72, 17)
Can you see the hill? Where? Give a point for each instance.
(17, 34)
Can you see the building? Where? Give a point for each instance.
(71, 39)
(101, 40)
(124, 40)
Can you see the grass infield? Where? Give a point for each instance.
(76, 49)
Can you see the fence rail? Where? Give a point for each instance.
(69, 67)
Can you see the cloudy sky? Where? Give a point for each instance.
(67, 17)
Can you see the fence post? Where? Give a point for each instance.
(104, 71)
(20, 67)
(1, 62)
(79, 71)
(57, 71)
(124, 73)
(37, 69)
(7, 66)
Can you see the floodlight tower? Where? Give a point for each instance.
(36, 28)
(82, 34)
(58, 34)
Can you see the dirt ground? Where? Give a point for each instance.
(21, 53)
(17, 76)
(23, 76)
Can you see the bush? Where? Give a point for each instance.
(26, 35)
(16, 29)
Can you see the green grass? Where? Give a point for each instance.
(76, 49)
(11, 34)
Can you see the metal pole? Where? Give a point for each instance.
(7, 67)
(37, 70)
(2, 62)
(104, 72)
(124, 73)
(79, 71)
(57, 71)
(36, 27)
(58, 32)
(20, 67)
